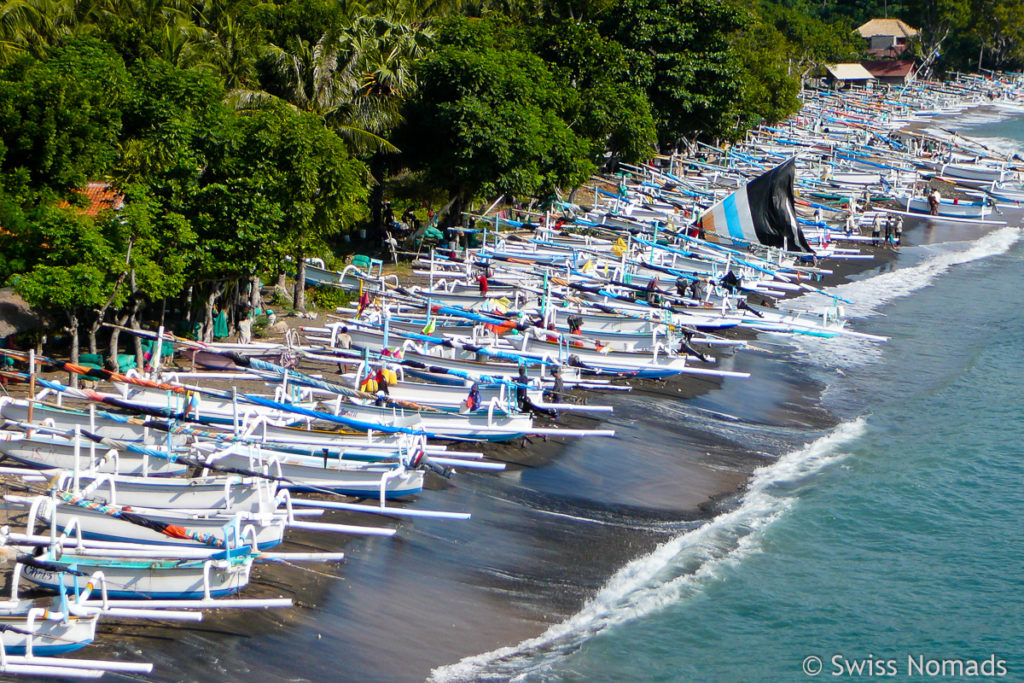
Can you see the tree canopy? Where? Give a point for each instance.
(239, 134)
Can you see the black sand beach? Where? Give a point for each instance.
(544, 536)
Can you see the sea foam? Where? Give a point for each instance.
(870, 294)
(673, 572)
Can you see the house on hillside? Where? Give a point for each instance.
(891, 71)
(841, 75)
(887, 38)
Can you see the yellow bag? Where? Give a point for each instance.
(369, 385)
(619, 248)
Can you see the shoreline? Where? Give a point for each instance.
(555, 549)
(532, 555)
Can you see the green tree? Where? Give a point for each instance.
(681, 55)
(770, 89)
(936, 19)
(31, 27)
(60, 118)
(305, 171)
(491, 121)
(808, 42)
(70, 283)
(613, 113)
(996, 36)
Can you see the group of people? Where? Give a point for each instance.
(522, 382)
(892, 225)
(693, 287)
(410, 221)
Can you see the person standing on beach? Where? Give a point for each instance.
(888, 229)
(245, 321)
(522, 399)
(555, 395)
(876, 230)
(344, 339)
(934, 199)
(899, 230)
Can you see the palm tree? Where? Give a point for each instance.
(31, 26)
(387, 45)
(230, 51)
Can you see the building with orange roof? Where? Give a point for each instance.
(891, 71)
(101, 196)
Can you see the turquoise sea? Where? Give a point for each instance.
(889, 546)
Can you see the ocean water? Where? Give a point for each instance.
(890, 545)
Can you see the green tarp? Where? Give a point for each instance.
(220, 326)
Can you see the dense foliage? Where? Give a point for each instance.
(245, 135)
(961, 34)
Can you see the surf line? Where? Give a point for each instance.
(880, 289)
(672, 572)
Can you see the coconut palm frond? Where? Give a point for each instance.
(241, 99)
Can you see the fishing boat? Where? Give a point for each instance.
(148, 578)
(977, 174)
(231, 492)
(952, 208)
(1006, 191)
(28, 628)
(326, 473)
(50, 451)
(153, 526)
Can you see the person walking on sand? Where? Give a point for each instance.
(344, 339)
(934, 199)
(899, 230)
(876, 230)
(558, 386)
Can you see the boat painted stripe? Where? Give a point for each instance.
(47, 650)
(127, 539)
(359, 493)
(732, 216)
(147, 595)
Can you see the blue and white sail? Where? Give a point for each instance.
(760, 212)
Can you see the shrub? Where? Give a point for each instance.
(329, 298)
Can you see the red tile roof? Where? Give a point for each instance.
(889, 68)
(101, 197)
